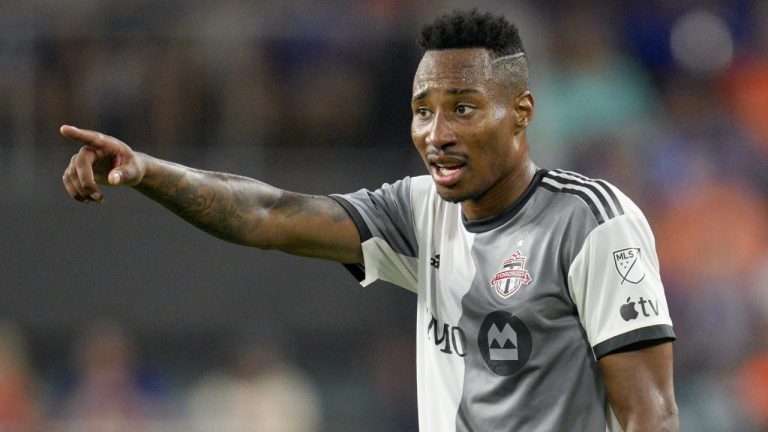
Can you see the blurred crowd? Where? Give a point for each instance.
(667, 100)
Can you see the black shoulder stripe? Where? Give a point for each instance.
(575, 192)
(589, 186)
(575, 174)
(615, 199)
(603, 185)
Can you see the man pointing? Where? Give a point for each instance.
(523, 295)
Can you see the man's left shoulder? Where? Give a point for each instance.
(605, 200)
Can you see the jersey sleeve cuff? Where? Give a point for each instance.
(358, 269)
(357, 218)
(644, 334)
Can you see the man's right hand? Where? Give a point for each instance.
(102, 160)
(234, 208)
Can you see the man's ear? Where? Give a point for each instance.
(524, 109)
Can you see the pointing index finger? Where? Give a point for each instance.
(89, 137)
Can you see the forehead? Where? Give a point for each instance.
(468, 67)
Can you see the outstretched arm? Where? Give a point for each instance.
(640, 389)
(234, 208)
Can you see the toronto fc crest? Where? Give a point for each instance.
(511, 276)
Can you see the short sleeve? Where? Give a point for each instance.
(615, 283)
(385, 222)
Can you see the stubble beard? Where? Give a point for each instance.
(469, 196)
(461, 198)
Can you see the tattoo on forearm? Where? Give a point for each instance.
(210, 204)
(234, 208)
(185, 200)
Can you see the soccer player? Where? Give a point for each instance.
(540, 306)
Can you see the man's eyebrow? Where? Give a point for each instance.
(453, 91)
(420, 95)
(461, 91)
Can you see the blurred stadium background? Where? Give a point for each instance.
(119, 317)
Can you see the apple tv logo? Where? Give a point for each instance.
(629, 312)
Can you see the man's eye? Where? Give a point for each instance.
(422, 112)
(464, 109)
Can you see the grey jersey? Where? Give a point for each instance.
(515, 310)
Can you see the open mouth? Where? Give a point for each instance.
(446, 174)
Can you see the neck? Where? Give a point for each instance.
(501, 195)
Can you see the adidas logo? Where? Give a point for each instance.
(435, 261)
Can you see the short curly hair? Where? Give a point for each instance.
(471, 29)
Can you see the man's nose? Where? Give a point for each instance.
(441, 133)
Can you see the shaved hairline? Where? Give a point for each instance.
(508, 74)
(512, 71)
(507, 57)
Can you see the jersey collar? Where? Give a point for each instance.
(495, 221)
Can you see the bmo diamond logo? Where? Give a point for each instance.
(502, 344)
(511, 276)
(505, 343)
